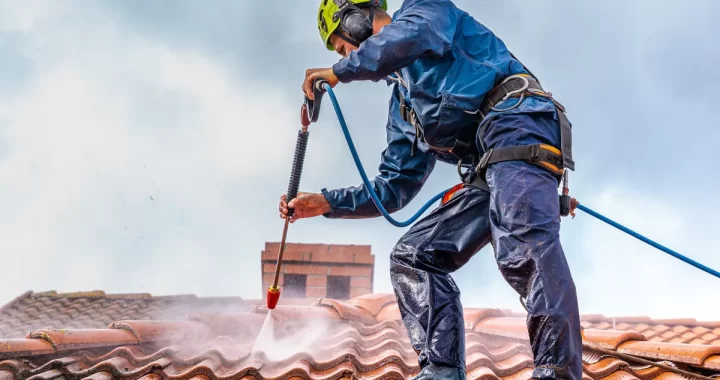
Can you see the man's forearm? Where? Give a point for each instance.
(355, 203)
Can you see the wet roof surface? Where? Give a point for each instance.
(140, 336)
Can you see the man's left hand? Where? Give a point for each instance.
(312, 74)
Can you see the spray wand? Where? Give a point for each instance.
(309, 112)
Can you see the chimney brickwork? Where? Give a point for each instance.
(319, 270)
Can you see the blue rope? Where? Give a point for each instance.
(650, 242)
(364, 176)
(412, 219)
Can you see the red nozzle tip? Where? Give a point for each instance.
(273, 297)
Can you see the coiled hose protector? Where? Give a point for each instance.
(297, 167)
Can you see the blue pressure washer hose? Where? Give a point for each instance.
(649, 242)
(313, 110)
(366, 181)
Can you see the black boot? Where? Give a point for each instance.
(440, 372)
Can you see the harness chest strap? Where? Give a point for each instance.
(408, 114)
(545, 156)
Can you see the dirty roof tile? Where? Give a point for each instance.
(610, 340)
(228, 323)
(96, 309)
(72, 339)
(676, 352)
(605, 367)
(149, 331)
(620, 375)
(11, 348)
(361, 338)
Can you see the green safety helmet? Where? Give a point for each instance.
(331, 13)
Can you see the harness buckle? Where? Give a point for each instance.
(523, 88)
(534, 153)
(484, 160)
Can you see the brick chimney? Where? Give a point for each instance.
(311, 271)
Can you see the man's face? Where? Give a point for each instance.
(342, 47)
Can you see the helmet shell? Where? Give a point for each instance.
(327, 24)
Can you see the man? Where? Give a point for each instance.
(459, 97)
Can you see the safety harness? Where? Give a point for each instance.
(550, 158)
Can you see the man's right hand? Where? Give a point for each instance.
(306, 205)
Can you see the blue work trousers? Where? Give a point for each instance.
(520, 217)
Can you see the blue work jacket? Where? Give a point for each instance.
(442, 62)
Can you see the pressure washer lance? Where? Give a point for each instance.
(309, 112)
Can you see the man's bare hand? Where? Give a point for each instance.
(306, 205)
(312, 74)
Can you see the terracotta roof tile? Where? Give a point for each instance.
(473, 317)
(228, 323)
(349, 311)
(605, 367)
(676, 352)
(373, 303)
(96, 309)
(20, 347)
(620, 375)
(712, 362)
(72, 339)
(510, 327)
(150, 331)
(361, 338)
(661, 330)
(390, 312)
(610, 340)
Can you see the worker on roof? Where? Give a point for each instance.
(460, 97)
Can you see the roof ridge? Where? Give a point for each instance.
(691, 322)
(91, 294)
(100, 294)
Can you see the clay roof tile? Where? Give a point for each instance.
(350, 312)
(609, 339)
(229, 323)
(11, 348)
(676, 352)
(473, 316)
(712, 362)
(151, 331)
(359, 338)
(71, 339)
(389, 313)
(509, 327)
(373, 303)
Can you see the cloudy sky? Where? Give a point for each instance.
(144, 146)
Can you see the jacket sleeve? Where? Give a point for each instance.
(400, 179)
(421, 28)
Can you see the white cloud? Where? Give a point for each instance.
(16, 16)
(109, 119)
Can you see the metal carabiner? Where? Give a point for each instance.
(507, 96)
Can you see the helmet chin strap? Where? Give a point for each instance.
(347, 39)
